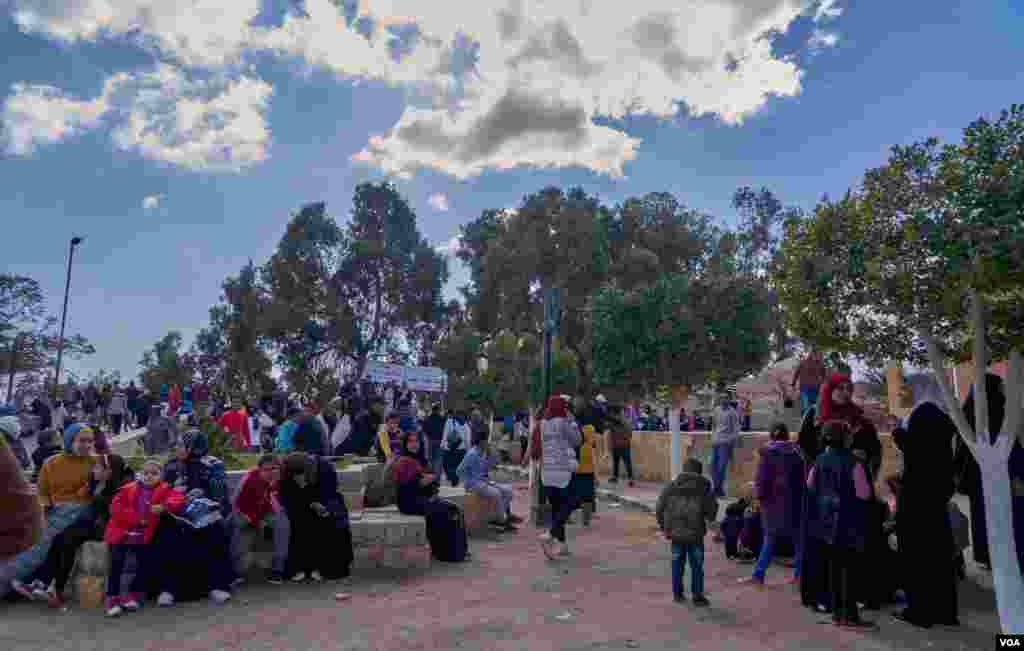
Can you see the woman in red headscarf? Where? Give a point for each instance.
(836, 403)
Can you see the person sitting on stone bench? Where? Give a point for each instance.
(256, 506)
(198, 554)
(321, 537)
(134, 515)
(474, 473)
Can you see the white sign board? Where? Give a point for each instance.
(418, 378)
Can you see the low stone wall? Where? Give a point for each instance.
(652, 457)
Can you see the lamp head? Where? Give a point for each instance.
(75, 241)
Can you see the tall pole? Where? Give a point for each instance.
(75, 241)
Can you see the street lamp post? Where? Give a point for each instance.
(75, 241)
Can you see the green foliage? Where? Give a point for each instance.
(681, 330)
(29, 335)
(898, 260)
(164, 363)
(390, 275)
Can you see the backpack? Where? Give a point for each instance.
(446, 532)
(382, 491)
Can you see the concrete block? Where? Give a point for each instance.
(478, 512)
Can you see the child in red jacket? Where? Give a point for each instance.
(134, 515)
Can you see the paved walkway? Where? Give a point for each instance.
(612, 594)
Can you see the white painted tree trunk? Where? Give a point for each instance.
(677, 440)
(1006, 572)
(993, 461)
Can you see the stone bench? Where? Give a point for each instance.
(477, 511)
(380, 539)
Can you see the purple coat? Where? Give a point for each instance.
(780, 487)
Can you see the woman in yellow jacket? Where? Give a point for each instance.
(583, 485)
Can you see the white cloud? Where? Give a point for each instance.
(214, 125)
(821, 39)
(192, 32)
(438, 201)
(491, 84)
(152, 201)
(34, 116)
(451, 247)
(827, 10)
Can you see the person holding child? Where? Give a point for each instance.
(684, 508)
(198, 551)
(134, 515)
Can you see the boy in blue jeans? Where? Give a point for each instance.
(684, 509)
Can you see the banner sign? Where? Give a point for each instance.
(418, 378)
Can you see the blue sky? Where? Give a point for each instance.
(178, 136)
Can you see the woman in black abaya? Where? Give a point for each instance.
(925, 534)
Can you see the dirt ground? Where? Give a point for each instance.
(613, 593)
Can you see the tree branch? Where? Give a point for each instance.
(938, 363)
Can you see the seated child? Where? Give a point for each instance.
(256, 507)
(134, 514)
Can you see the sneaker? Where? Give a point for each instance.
(23, 589)
(275, 579)
(679, 598)
(131, 605)
(613, 480)
(316, 577)
(220, 596)
(114, 611)
(165, 600)
(700, 600)
(860, 625)
(237, 582)
(299, 577)
(54, 600)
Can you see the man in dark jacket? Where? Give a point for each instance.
(683, 511)
(364, 430)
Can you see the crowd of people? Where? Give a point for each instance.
(817, 501)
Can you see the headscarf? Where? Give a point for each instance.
(557, 408)
(10, 424)
(409, 465)
(196, 442)
(300, 463)
(75, 429)
(925, 389)
(849, 412)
